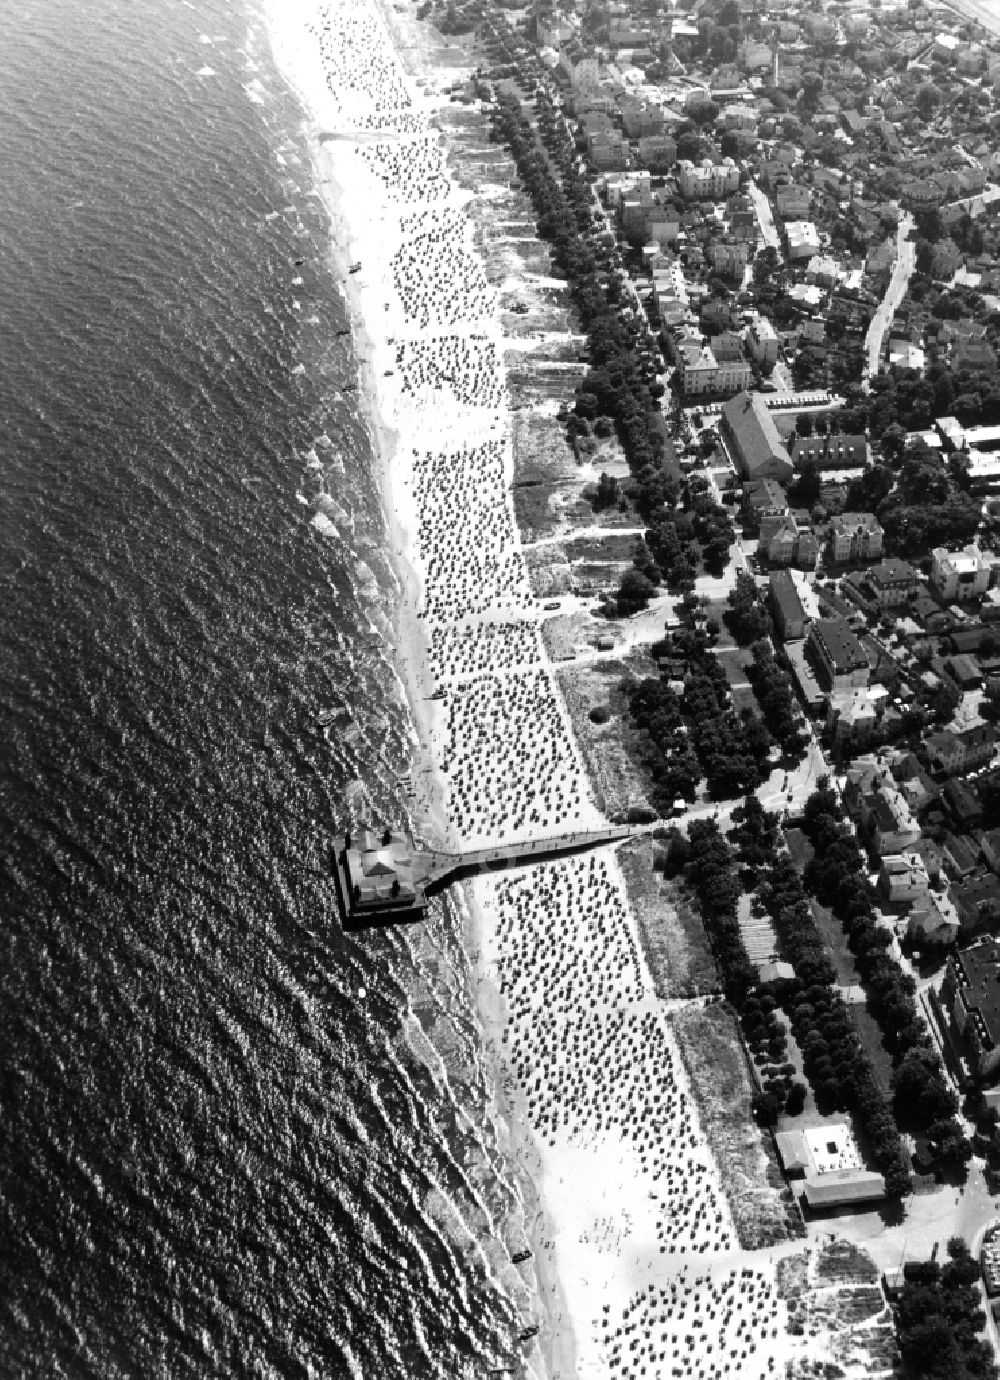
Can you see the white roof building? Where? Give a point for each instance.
(803, 239)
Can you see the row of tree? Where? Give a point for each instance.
(837, 875)
(835, 1062)
(621, 381)
(711, 873)
(624, 358)
(772, 686)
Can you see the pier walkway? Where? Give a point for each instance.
(438, 870)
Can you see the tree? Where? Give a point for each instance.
(607, 492)
(920, 1094)
(691, 146)
(807, 486)
(634, 592)
(927, 99)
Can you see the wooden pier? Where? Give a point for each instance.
(384, 879)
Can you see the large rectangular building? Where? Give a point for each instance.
(758, 450)
(842, 660)
(786, 607)
(970, 1001)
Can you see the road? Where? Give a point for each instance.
(906, 251)
(764, 217)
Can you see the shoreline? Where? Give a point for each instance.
(412, 660)
(621, 1195)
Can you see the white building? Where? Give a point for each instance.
(704, 180)
(803, 239)
(961, 574)
(700, 372)
(762, 342)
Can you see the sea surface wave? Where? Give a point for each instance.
(233, 1141)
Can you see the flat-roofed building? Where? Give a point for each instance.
(842, 660)
(758, 450)
(903, 878)
(961, 574)
(803, 239)
(970, 999)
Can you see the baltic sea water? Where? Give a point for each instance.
(233, 1141)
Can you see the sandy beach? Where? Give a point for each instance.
(636, 1268)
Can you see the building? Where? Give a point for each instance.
(803, 239)
(707, 180)
(793, 203)
(977, 902)
(852, 716)
(889, 585)
(786, 607)
(608, 149)
(881, 258)
(762, 342)
(790, 540)
(836, 451)
(958, 575)
(754, 56)
(701, 373)
(729, 257)
(855, 537)
(902, 879)
(762, 498)
(822, 270)
(554, 29)
(840, 657)
(933, 920)
(582, 71)
(376, 880)
(641, 118)
(657, 151)
(970, 1003)
(758, 450)
(826, 1161)
(889, 823)
(950, 751)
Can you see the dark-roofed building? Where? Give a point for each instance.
(960, 858)
(758, 450)
(837, 451)
(970, 999)
(963, 804)
(763, 498)
(888, 585)
(977, 902)
(841, 659)
(786, 607)
(949, 751)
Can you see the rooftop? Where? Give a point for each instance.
(839, 644)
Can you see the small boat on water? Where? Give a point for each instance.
(355, 267)
(528, 1333)
(520, 1256)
